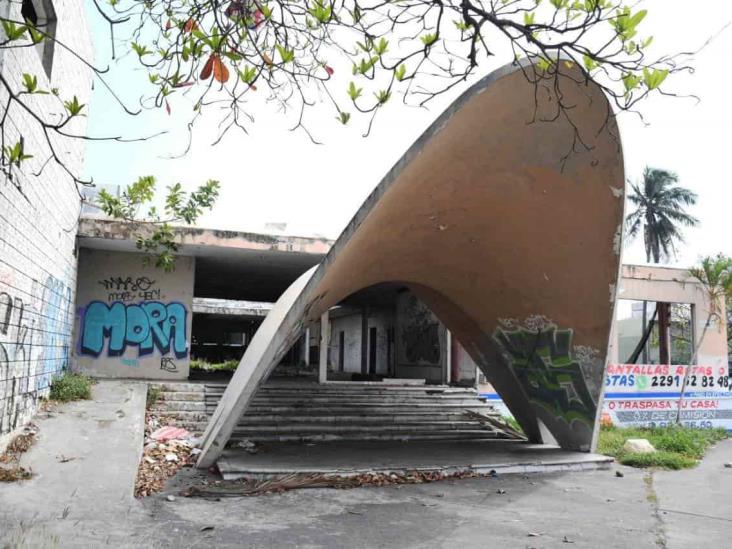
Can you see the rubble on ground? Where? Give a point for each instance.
(258, 487)
(10, 469)
(166, 450)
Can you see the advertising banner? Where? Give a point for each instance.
(647, 395)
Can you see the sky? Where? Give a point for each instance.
(273, 175)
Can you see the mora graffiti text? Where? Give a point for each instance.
(149, 326)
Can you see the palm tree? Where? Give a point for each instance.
(659, 210)
(715, 277)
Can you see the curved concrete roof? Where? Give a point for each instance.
(505, 219)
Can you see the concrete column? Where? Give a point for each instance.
(448, 358)
(364, 340)
(324, 342)
(306, 347)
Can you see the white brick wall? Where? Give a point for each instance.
(38, 221)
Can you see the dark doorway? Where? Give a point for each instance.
(372, 350)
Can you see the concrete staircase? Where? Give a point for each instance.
(309, 412)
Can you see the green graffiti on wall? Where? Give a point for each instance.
(540, 358)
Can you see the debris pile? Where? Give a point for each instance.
(10, 469)
(258, 487)
(167, 449)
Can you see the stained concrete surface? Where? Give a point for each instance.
(87, 502)
(449, 456)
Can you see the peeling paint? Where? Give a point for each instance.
(617, 191)
(618, 240)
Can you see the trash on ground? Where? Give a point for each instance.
(167, 449)
(170, 432)
(10, 469)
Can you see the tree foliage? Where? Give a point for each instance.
(222, 52)
(660, 211)
(155, 233)
(714, 275)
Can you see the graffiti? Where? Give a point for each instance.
(128, 284)
(55, 328)
(420, 333)
(35, 332)
(15, 358)
(130, 289)
(168, 364)
(149, 326)
(540, 358)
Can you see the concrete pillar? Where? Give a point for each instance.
(364, 340)
(324, 342)
(448, 359)
(306, 347)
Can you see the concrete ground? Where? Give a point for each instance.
(448, 456)
(87, 502)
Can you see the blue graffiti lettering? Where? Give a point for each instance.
(148, 326)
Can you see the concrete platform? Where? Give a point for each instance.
(355, 458)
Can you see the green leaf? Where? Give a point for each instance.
(354, 92)
(400, 72)
(30, 82)
(653, 79)
(429, 39)
(631, 81)
(73, 107)
(382, 96)
(381, 47)
(286, 55)
(344, 117)
(141, 51)
(13, 31)
(590, 64)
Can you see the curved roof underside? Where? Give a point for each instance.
(504, 218)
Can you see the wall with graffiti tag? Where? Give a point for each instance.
(132, 320)
(39, 211)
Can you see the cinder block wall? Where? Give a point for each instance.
(38, 221)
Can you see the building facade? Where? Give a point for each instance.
(39, 213)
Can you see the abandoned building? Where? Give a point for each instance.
(388, 333)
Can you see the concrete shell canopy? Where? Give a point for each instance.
(505, 218)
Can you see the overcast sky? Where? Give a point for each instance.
(272, 175)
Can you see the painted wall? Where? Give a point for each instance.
(38, 220)
(421, 341)
(132, 320)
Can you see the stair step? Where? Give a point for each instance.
(190, 396)
(361, 409)
(368, 428)
(358, 436)
(350, 419)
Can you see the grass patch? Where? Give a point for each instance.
(70, 386)
(227, 366)
(677, 447)
(153, 395)
(512, 423)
